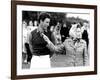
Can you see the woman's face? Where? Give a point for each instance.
(30, 23)
(78, 33)
(24, 24)
(35, 23)
(58, 27)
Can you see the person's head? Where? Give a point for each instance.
(24, 24)
(75, 31)
(44, 20)
(64, 25)
(52, 28)
(35, 23)
(79, 25)
(85, 25)
(30, 23)
(78, 33)
(58, 26)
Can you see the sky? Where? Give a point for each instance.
(82, 16)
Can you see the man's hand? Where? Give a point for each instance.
(45, 38)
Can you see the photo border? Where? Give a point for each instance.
(14, 39)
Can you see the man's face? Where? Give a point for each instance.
(45, 23)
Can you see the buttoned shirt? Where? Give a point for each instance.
(76, 52)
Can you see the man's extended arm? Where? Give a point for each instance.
(51, 46)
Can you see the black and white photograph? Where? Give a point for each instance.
(55, 39)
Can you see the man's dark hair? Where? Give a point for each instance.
(43, 16)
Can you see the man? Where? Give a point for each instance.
(85, 33)
(40, 43)
(65, 30)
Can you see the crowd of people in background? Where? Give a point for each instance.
(27, 28)
(72, 39)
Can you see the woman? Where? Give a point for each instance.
(57, 59)
(76, 48)
(56, 34)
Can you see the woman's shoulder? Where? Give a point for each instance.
(67, 40)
